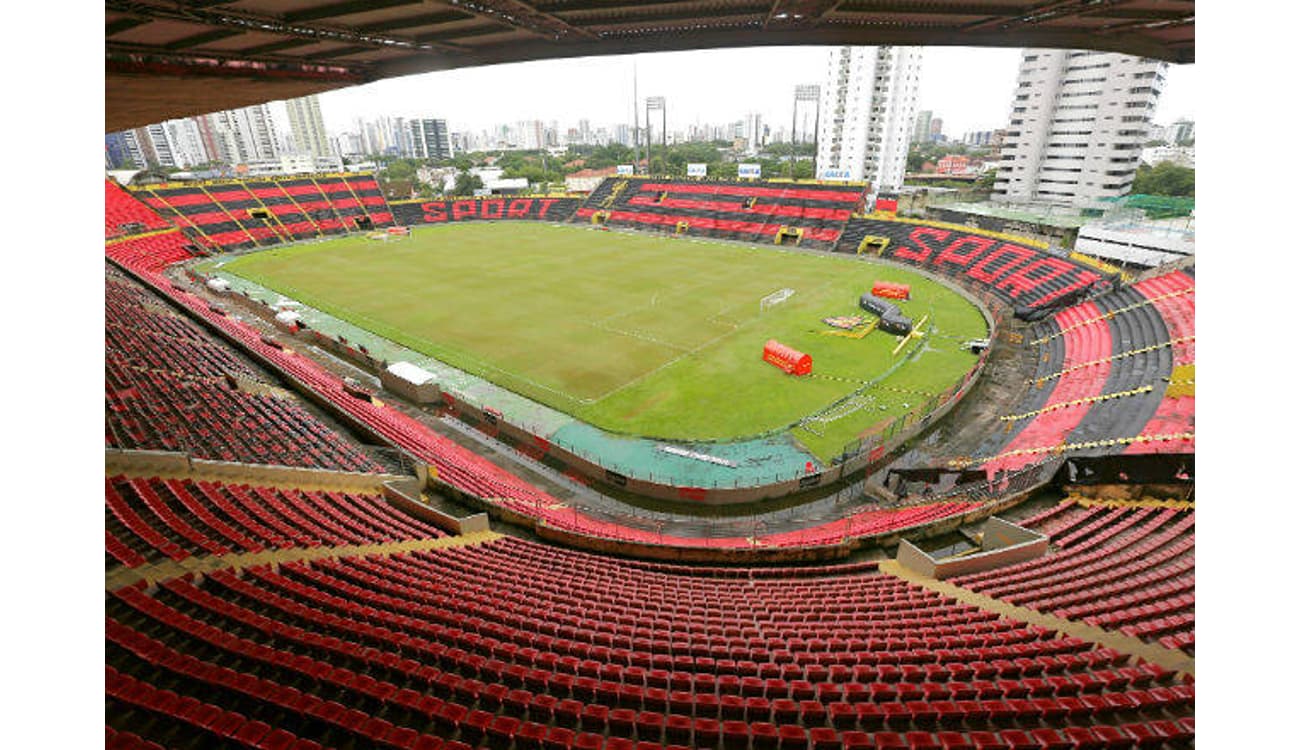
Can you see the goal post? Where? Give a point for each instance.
(774, 299)
(390, 233)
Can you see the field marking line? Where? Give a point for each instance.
(735, 328)
(378, 329)
(598, 325)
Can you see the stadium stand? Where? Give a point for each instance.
(515, 644)
(1028, 278)
(1129, 569)
(124, 215)
(1174, 296)
(476, 476)
(756, 211)
(410, 213)
(512, 644)
(238, 214)
(1102, 385)
(166, 388)
(153, 249)
(151, 519)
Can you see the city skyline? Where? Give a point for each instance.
(966, 87)
(380, 126)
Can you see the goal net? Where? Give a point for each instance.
(391, 233)
(775, 298)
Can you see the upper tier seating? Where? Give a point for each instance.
(151, 519)
(1030, 279)
(165, 389)
(513, 645)
(1127, 569)
(236, 214)
(749, 210)
(410, 213)
(124, 215)
(1102, 378)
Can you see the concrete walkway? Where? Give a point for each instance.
(1171, 659)
(168, 569)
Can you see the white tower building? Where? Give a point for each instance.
(868, 112)
(307, 126)
(1078, 123)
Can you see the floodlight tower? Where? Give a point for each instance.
(804, 93)
(636, 126)
(653, 103)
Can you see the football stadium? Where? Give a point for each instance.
(671, 462)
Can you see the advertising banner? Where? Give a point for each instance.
(749, 171)
(696, 170)
(624, 169)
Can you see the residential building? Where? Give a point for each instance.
(921, 133)
(430, 139)
(1183, 156)
(308, 127)
(1078, 122)
(186, 143)
(1182, 132)
(953, 164)
(116, 154)
(868, 113)
(936, 130)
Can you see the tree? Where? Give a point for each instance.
(467, 183)
(1165, 178)
(399, 170)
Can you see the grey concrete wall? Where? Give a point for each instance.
(181, 465)
(1005, 543)
(425, 393)
(404, 494)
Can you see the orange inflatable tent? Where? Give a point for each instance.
(891, 290)
(793, 361)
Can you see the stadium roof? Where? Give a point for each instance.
(173, 58)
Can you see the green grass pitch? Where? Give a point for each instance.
(636, 334)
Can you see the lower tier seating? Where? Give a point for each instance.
(1103, 383)
(1174, 296)
(496, 645)
(1126, 569)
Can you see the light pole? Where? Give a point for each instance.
(655, 103)
(802, 92)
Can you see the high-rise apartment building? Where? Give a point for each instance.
(307, 126)
(239, 136)
(868, 112)
(921, 132)
(1078, 123)
(430, 138)
(1182, 131)
(186, 143)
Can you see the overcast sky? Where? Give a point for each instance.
(970, 88)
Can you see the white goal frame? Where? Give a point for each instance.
(775, 298)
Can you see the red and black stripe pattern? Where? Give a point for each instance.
(484, 209)
(255, 212)
(1034, 281)
(749, 211)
